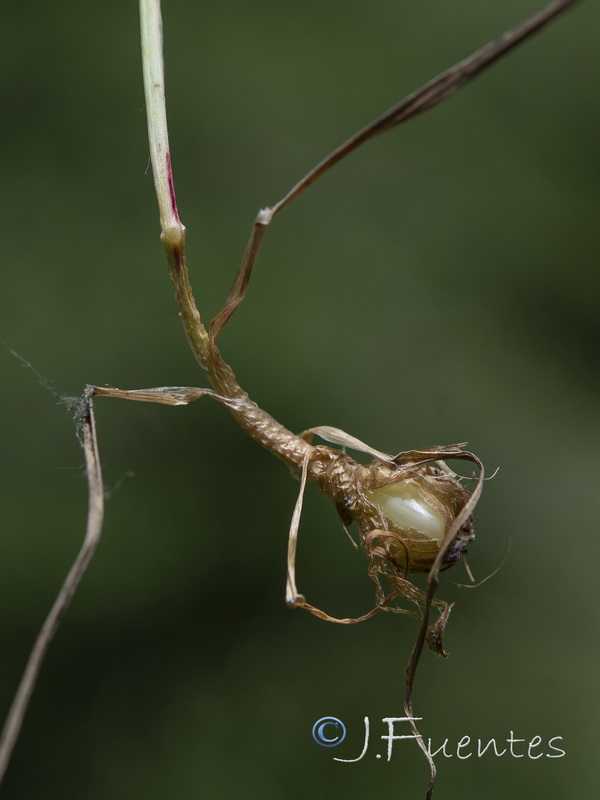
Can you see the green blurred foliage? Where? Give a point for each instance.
(436, 287)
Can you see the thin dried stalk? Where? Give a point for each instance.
(428, 96)
(435, 633)
(20, 702)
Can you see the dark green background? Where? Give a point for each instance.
(438, 286)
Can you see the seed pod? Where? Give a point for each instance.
(409, 507)
(417, 512)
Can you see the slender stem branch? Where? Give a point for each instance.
(432, 584)
(428, 96)
(432, 93)
(20, 702)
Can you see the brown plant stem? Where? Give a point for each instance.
(93, 531)
(427, 97)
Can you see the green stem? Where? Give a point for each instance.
(172, 230)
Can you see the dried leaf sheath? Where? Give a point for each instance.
(394, 548)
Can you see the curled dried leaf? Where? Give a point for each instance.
(435, 632)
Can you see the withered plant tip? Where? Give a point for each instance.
(413, 513)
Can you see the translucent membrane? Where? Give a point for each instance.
(407, 509)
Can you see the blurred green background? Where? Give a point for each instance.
(438, 286)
